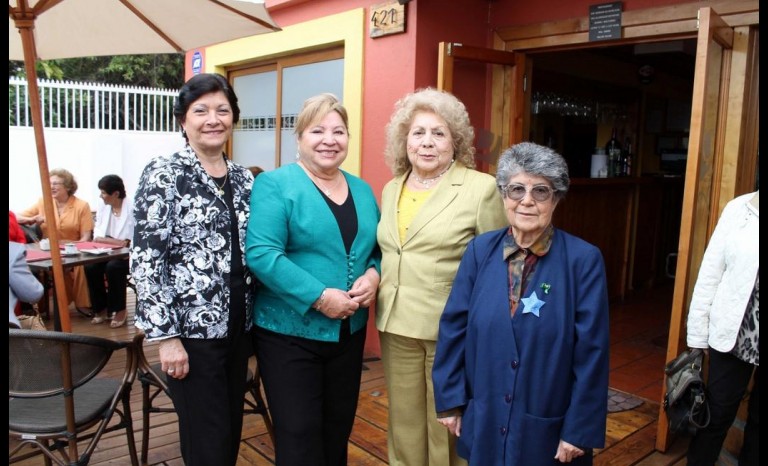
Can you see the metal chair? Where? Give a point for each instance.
(58, 396)
(154, 382)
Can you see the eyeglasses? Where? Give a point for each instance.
(56, 183)
(516, 192)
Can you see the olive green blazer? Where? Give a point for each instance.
(417, 276)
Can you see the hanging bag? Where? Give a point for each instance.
(32, 322)
(685, 401)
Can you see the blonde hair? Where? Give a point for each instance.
(441, 103)
(67, 179)
(316, 108)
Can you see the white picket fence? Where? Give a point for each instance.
(73, 105)
(91, 130)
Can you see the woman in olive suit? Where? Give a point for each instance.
(433, 207)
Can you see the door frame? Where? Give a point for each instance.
(703, 174)
(729, 157)
(507, 82)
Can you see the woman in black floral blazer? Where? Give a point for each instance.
(187, 260)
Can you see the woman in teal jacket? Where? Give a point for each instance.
(312, 244)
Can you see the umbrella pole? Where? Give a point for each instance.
(25, 27)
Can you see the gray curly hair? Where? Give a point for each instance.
(533, 159)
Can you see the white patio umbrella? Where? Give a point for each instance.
(48, 29)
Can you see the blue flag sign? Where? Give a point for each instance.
(197, 63)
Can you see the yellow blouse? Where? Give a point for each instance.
(409, 204)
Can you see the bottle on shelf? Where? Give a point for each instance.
(627, 156)
(613, 150)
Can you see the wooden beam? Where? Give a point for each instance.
(445, 67)
(679, 21)
(496, 57)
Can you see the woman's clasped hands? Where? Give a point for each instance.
(363, 291)
(339, 304)
(336, 304)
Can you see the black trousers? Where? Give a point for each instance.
(209, 401)
(112, 296)
(312, 389)
(728, 380)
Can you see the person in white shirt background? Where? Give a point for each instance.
(114, 225)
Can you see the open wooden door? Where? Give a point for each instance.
(705, 157)
(463, 70)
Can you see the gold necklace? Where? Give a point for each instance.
(428, 182)
(326, 189)
(223, 183)
(315, 179)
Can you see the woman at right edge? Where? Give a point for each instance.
(724, 321)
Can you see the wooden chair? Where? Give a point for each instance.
(154, 382)
(58, 396)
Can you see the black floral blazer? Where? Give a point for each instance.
(181, 254)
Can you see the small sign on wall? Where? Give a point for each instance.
(197, 62)
(605, 21)
(387, 18)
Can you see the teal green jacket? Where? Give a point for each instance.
(294, 248)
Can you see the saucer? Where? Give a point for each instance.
(96, 251)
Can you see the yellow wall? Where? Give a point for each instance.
(347, 29)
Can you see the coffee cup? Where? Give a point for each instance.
(45, 244)
(70, 248)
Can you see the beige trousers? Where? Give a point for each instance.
(77, 287)
(414, 437)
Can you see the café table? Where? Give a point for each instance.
(89, 252)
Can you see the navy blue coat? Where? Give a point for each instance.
(526, 382)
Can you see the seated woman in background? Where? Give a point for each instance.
(73, 221)
(114, 225)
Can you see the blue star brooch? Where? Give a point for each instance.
(532, 304)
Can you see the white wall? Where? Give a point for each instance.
(88, 154)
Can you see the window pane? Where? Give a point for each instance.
(253, 141)
(300, 83)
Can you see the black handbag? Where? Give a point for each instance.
(685, 401)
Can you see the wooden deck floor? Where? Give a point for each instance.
(630, 435)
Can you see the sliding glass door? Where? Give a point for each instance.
(270, 97)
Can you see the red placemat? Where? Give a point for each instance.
(37, 255)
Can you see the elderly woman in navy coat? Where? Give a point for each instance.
(521, 368)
